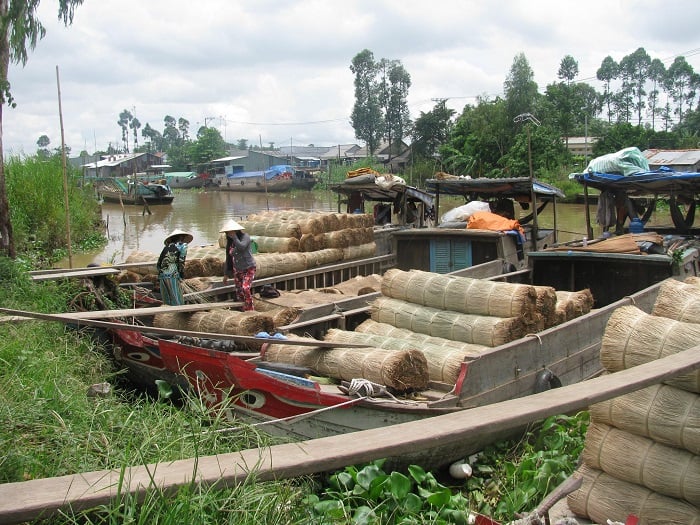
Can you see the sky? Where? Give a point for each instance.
(278, 71)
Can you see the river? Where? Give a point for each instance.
(202, 213)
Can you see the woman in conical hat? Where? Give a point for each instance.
(239, 263)
(171, 266)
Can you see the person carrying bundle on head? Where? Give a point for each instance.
(239, 263)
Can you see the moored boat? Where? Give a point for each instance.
(131, 191)
(274, 179)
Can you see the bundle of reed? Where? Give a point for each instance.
(633, 337)
(361, 284)
(193, 268)
(359, 220)
(468, 328)
(666, 414)
(172, 320)
(331, 221)
(277, 244)
(320, 242)
(546, 305)
(230, 322)
(307, 243)
(272, 228)
(370, 326)
(200, 252)
(127, 276)
(603, 498)
(336, 239)
(321, 257)
(679, 301)
(343, 221)
(667, 470)
(692, 279)
(360, 251)
(281, 315)
(575, 304)
(461, 294)
(444, 363)
(305, 298)
(269, 264)
(212, 266)
(399, 371)
(143, 257)
(310, 225)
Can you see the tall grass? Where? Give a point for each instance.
(35, 193)
(50, 426)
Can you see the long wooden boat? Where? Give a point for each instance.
(285, 401)
(132, 191)
(274, 179)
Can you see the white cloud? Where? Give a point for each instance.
(278, 71)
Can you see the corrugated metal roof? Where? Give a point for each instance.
(667, 157)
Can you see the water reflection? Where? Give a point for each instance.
(203, 212)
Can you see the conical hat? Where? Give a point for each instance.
(176, 233)
(230, 226)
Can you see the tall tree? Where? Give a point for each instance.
(366, 118)
(681, 84)
(396, 115)
(520, 88)
(607, 72)
(20, 30)
(432, 129)
(154, 137)
(568, 69)
(125, 118)
(635, 68)
(43, 144)
(135, 125)
(657, 73)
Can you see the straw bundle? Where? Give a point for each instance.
(692, 279)
(230, 322)
(126, 276)
(363, 250)
(193, 268)
(212, 266)
(174, 320)
(400, 371)
(269, 264)
(143, 257)
(633, 337)
(667, 470)
(272, 228)
(461, 294)
(320, 257)
(603, 497)
(574, 304)
(546, 304)
(201, 252)
(336, 239)
(444, 363)
(281, 315)
(310, 225)
(666, 414)
(370, 326)
(478, 329)
(277, 244)
(360, 285)
(679, 301)
(307, 243)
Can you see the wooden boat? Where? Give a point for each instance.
(284, 400)
(635, 255)
(304, 179)
(131, 191)
(185, 179)
(274, 179)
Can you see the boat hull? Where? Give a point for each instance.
(254, 184)
(123, 198)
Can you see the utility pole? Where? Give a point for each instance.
(529, 118)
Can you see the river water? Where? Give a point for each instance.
(202, 213)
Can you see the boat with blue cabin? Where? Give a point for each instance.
(276, 178)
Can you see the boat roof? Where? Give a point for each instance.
(484, 188)
(373, 192)
(661, 181)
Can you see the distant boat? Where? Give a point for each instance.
(274, 179)
(185, 179)
(132, 191)
(304, 179)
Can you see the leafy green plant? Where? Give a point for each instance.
(369, 495)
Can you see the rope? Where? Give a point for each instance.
(368, 389)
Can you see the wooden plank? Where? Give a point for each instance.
(87, 272)
(42, 498)
(170, 332)
(137, 312)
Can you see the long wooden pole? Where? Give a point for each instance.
(65, 176)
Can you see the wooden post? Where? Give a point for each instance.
(65, 176)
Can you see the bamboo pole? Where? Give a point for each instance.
(65, 176)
